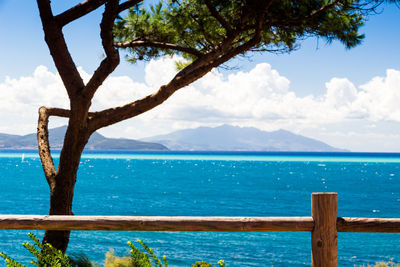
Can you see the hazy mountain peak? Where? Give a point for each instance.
(228, 137)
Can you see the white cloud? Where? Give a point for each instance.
(261, 98)
(20, 99)
(380, 97)
(159, 72)
(42, 88)
(340, 93)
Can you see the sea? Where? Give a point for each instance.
(211, 184)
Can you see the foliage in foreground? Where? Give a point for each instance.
(47, 256)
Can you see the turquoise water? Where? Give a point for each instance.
(229, 156)
(210, 184)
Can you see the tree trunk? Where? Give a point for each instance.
(61, 197)
(61, 194)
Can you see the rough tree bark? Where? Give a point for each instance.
(62, 181)
(81, 122)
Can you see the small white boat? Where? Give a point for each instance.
(23, 158)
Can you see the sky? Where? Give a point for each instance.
(346, 98)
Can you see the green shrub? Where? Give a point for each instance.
(137, 258)
(47, 256)
(221, 263)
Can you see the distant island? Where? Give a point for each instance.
(234, 138)
(96, 142)
(221, 138)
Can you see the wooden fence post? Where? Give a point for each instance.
(324, 235)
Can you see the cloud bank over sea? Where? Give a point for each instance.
(358, 117)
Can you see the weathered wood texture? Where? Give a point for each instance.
(129, 223)
(371, 225)
(324, 235)
(156, 223)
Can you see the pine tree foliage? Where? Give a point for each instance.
(196, 28)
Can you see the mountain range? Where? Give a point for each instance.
(96, 142)
(234, 138)
(221, 138)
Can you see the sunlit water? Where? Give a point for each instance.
(209, 184)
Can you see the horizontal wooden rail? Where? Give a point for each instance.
(368, 225)
(155, 223)
(186, 223)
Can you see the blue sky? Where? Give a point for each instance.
(315, 75)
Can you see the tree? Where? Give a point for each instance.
(207, 33)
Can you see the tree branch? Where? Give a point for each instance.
(162, 45)
(218, 16)
(86, 7)
(322, 9)
(44, 144)
(128, 4)
(203, 31)
(106, 28)
(108, 65)
(78, 11)
(189, 74)
(252, 42)
(311, 15)
(260, 20)
(111, 116)
(59, 50)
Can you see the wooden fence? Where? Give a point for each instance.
(323, 225)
